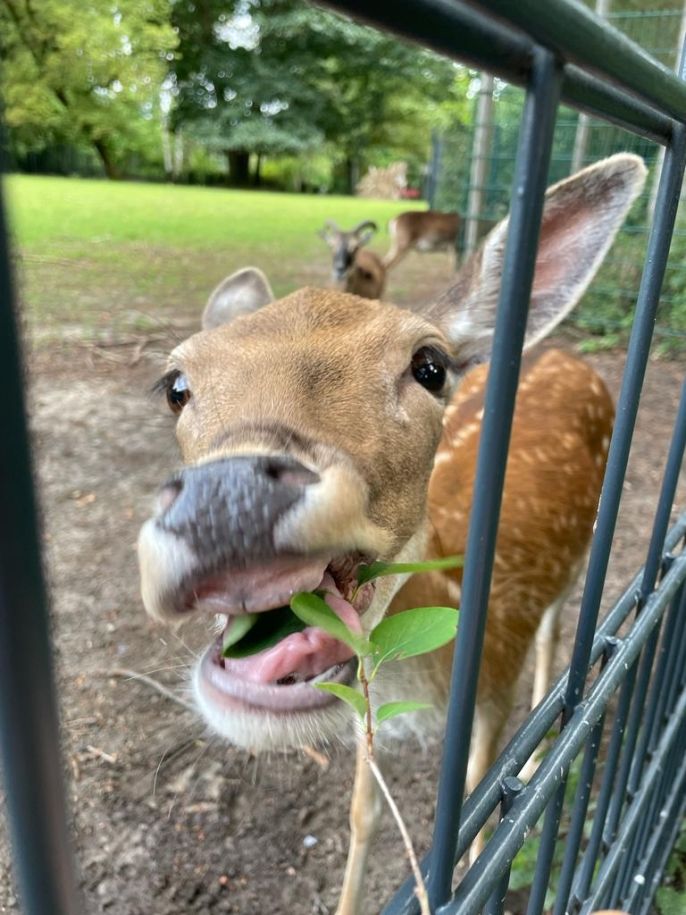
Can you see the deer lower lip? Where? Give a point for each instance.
(223, 688)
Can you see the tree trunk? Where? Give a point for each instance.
(239, 167)
(257, 173)
(111, 169)
(352, 174)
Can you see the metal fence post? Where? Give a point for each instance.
(29, 739)
(533, 158)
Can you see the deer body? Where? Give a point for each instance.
(561, 427)
(421, 230)
(366, 276)
(324, 430)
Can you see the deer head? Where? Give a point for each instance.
(308, 430)
(345, 245)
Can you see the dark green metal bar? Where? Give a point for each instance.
(576, 34)
(580, 808)
(531, 171)
(479, 805)
(452, 29)
(510, 834)
(608, 868)
(512, 787)
(29, 739)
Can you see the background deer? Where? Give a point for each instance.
(355, 270)
(322, 431)
(421, 230)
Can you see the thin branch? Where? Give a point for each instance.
(149, 681)
(420, 889)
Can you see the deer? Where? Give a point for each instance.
(421, 230)
(322, 431)
(355, 270)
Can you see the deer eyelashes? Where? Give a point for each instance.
(174, 385)
(429, 368)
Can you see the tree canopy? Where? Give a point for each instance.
(239, 78)
(273, 76)
(89, 74)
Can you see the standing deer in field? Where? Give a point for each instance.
(421, 230)
(323, 431)
(355, 270)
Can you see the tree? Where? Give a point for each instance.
(91, 74)
(278, 76)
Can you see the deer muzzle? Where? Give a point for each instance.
(221, 515)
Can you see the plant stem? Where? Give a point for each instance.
(369, 723)
(420, 890)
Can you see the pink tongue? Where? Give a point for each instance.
(304, 654)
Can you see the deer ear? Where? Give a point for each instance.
(364, 232)
(581, 217)
(329, 233)
(241, 293)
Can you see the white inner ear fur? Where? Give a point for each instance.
(244, 292)
(581, 218)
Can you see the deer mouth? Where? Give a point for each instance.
(283, 677)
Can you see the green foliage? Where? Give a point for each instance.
(413, 632)
(392, 709)
(353, 698)
(671, 897)
(88, 76)
(238, 627)
(279, 77)
(254, 632)
(377, 569)
(314, 611)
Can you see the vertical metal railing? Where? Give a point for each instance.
(533, 158)
(29, 741)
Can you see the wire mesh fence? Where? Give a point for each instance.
(604, 316)
(602, 811)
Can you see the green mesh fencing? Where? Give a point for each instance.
(605, 312)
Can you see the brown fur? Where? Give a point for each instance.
(562, 423)
(326, 378)
(422, 230)
(367, 276)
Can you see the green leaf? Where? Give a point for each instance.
(314, 611)
(237, 628)
(269, 629)
(413, 632)
(347, 694)
(392, 709)
(377, 569)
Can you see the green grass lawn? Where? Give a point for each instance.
(97, 255)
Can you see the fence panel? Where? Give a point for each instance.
(621, 707)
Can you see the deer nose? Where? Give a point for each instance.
(226, 510)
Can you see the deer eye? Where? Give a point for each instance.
(177, 390)
(429, 368)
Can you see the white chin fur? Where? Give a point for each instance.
(264, 730)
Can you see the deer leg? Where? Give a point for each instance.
(489, 719)
(547, 638)
(394, 254)
(365, 811)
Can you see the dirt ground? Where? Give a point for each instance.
(168, 820)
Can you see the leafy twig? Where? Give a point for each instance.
(403, 635)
